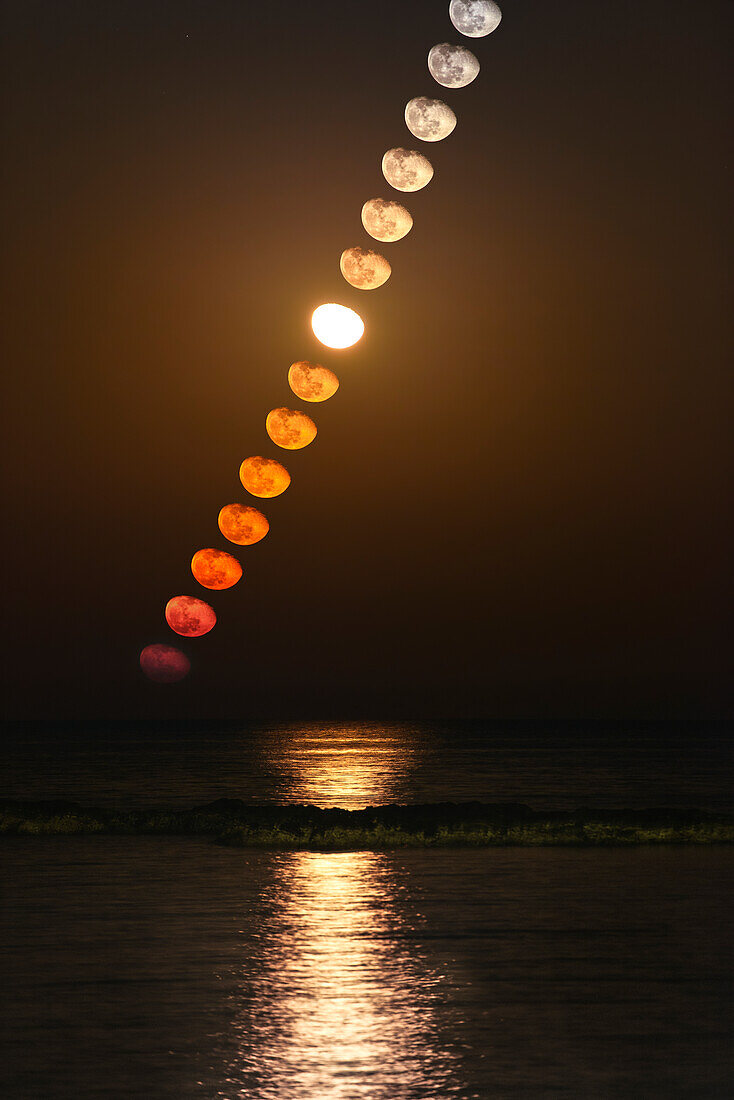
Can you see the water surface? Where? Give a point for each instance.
(164, 967)
(357, 764)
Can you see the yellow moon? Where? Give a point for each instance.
(311, 381)
(242, 525)
(337, 326)
(290, 429)
(386, 220)
(215, 569)
(264, 477)
(406, 170)
(363, 268)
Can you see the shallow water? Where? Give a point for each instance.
(357, 764)
(165, 967)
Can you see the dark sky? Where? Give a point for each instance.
(517, 503)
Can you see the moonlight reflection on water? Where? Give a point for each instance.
(339, 999)
(347, 766)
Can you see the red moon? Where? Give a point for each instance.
(215, 569)
(164, 663)
(190, 617)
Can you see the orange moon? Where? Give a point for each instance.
(290, 429)
(242, 525)
(264, 477)
(215, 569)
(164, 663)
(190, 617)
(311, 381)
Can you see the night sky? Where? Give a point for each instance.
(518, 501)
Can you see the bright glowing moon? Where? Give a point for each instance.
(429, 119)
(311, 381)
(337, 326)
(406, 170)
(363, 268)
(475, 18)
(242, 525)
(215, 569)
(386, 220)
(290, 428)
(190, 617)
(264, 477)
(164, 663)
(452, 66)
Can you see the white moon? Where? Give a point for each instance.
(406, 170)
(386, 220)
(336, 326)
(363, 268)
(475, 18)
(429, 119)
(452, 66)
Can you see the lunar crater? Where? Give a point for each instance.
(406, 169)
(386, 220)
(290, 429)
(363, 268)
(311, 381)
(429, 119)
(475, 18)
(452, 66)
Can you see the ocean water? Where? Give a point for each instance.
(168, 967)
(357, 764)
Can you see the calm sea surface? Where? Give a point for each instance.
(165, 967)
(364, 763)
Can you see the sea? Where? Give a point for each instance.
(171, 967)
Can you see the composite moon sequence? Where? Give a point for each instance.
(337, 327)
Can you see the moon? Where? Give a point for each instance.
(406, 170)
(215, 569)
(190, 617)
(452, 66)
(386, 220)
(290, 428)
(337, 326)
(164, 663)
(264, 477)
(475, 18)
(242, 525)
(429, 119)
(311, 381)
(363, 268)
